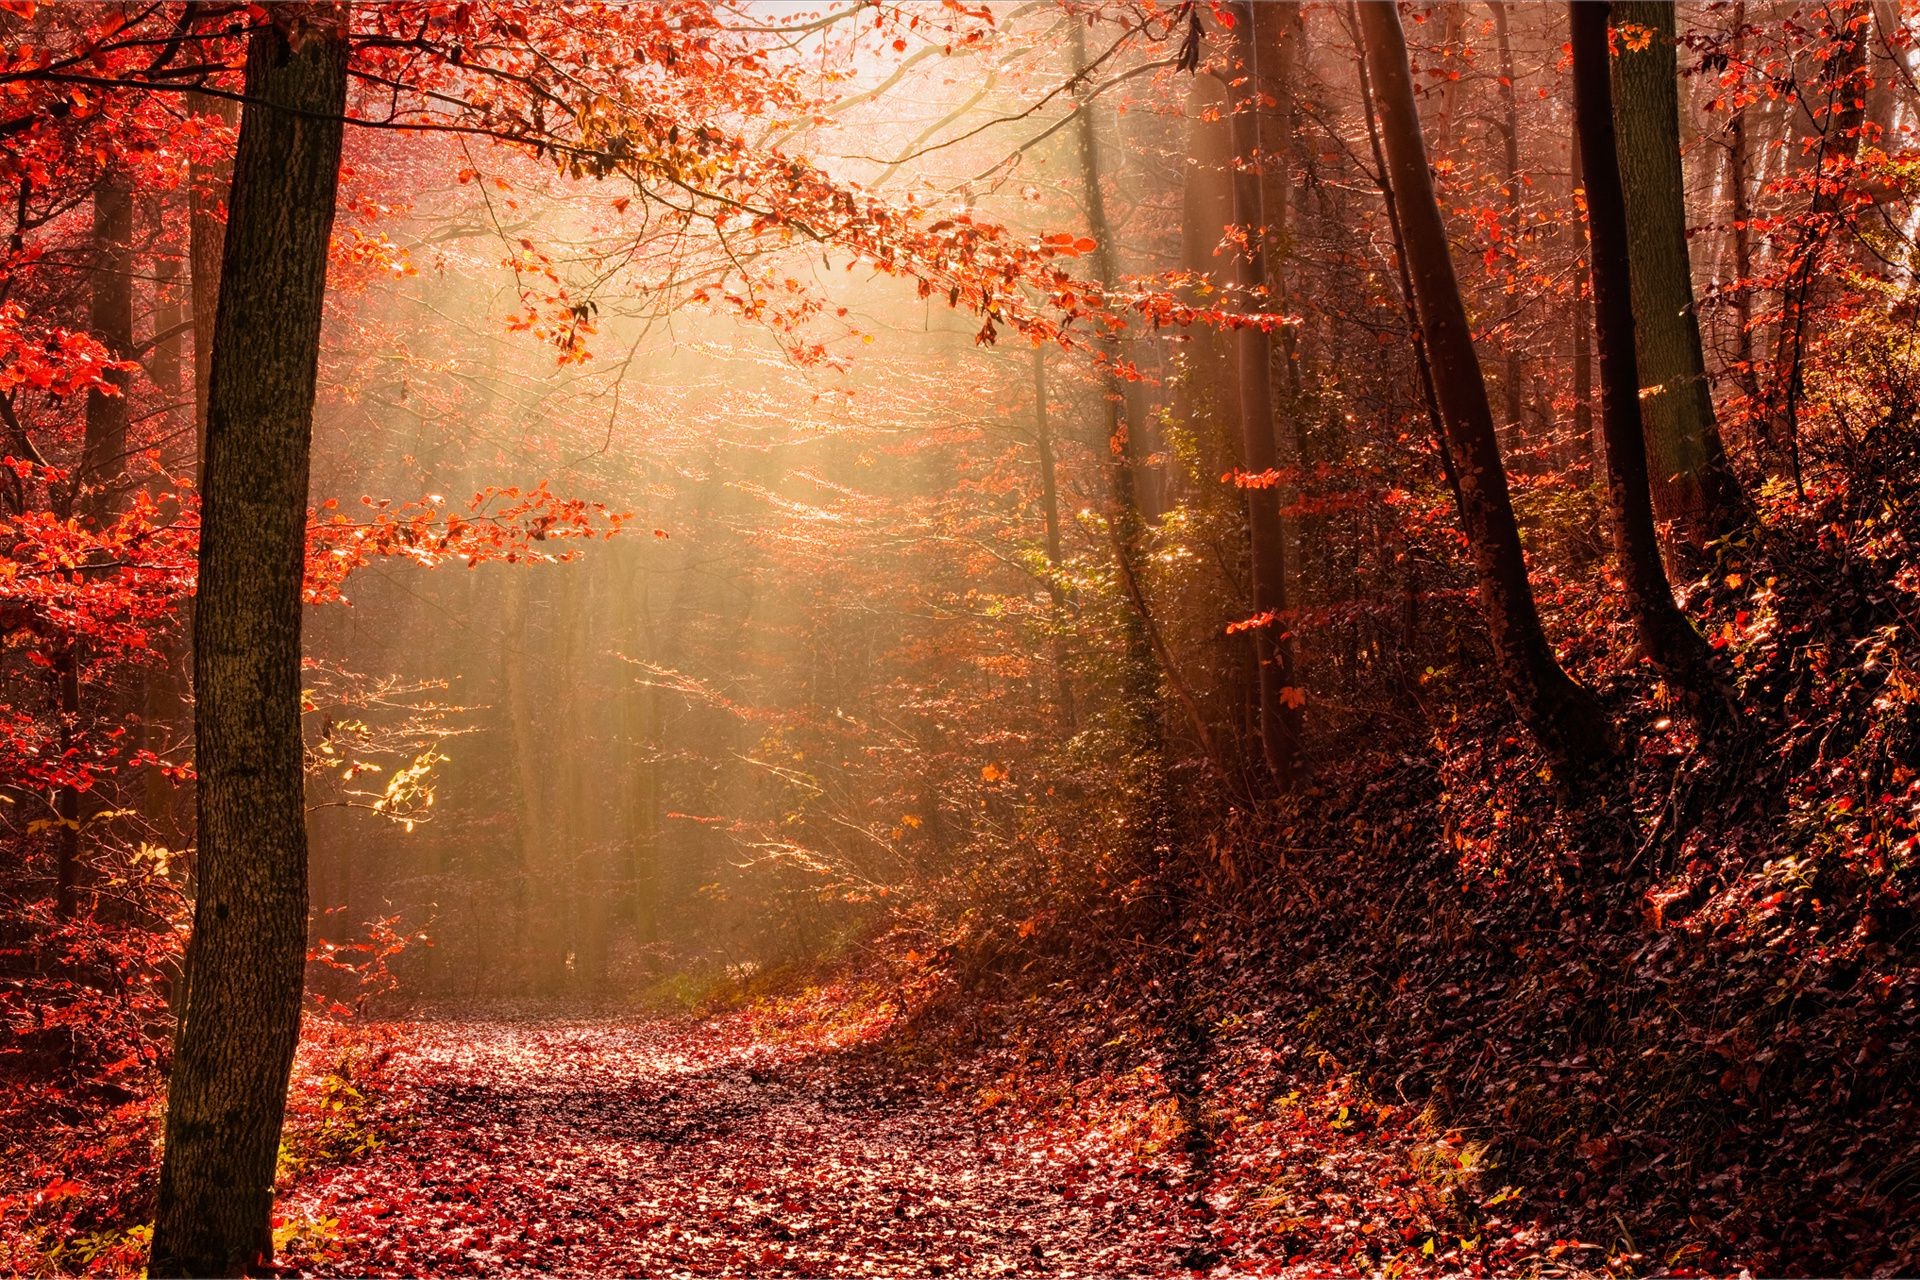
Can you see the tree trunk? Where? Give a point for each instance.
(1429, 394)
(1516, 378)
(236, 1040)
(164, 363)
(95, 479)
(1693, 486)
(1140, 679)
(1050, 515)
(1560, 713)
(110, 318)
(1838, 106)
(1669, 639)
(1582, 316)
(1740, 211)
(1267, 538)
(1277, 32)
(163, 700)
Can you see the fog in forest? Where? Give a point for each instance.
(1090, 636)
(737, 732)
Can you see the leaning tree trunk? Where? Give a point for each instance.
(1560, 713)
(1279, 699)
(237, 1037)
(1668, 638)
(1693, 486)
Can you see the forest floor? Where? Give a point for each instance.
(674, 1146)
(809, 1137)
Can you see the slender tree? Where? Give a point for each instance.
(90, 493)
(1050, 515)
(1559, 712)
(1582, 312)
(1669, 639)
(1267, 539)
(1141, 678)
(236, 1040)
(110, 317)
(1837, 107)
(1693, 486)
(1739, 217)
(1514, 380)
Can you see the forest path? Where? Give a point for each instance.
(708, 1148)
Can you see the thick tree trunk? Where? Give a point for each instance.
(1693, 486)
(1669, 639)
(1267, 538)
(1561, 714)
(206, 232)
(236, 1040)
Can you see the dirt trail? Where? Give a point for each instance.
(694, 1148)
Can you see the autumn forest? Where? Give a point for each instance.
(938, 637)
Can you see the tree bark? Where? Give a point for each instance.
(1560, 713)
(1693, 486)
(1668, 638)
(1267, 537)
(236, 1041)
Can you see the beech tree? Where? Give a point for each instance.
(1279, 696)
(1670, 640)
(1560, 713)
(1693, 484)
(247, 959)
